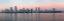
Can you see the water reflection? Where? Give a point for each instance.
(11, 16)
(53, 17)
(15, 16)
(31, 16)
(8, 17)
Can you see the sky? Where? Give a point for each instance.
(43, 4)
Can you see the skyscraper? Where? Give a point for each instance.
(23, 10)
(27, 10)
(11, 9)
(15, 8)
(38, 9)
(31, 10)
(54, 9)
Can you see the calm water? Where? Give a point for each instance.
(31, 16)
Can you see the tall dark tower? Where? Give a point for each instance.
(54, 9)
(23, 10)
(38, 9)
(15, 8)
(31, 10)
(11, 9)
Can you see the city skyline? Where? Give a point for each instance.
(31, 10)
(24, 10)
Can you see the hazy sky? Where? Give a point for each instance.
(44, 4)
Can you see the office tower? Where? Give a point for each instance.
(31, 10)
(15, 8)
(27, 10)
(54, 10)
(11, 9)
(23, 10)
(38, 9)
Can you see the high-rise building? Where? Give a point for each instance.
(23, 10)
(38, 9)
(27, 10)
(16, 9)
(11, 9)
(54, 9)
(31, 10)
